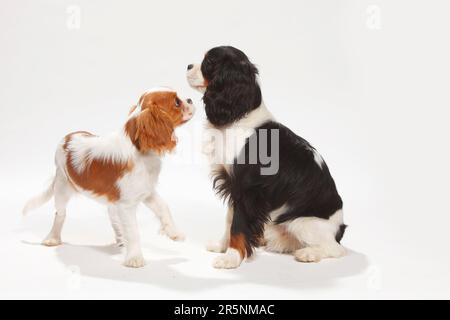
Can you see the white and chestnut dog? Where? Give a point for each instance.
(293, 208)
(120, 170)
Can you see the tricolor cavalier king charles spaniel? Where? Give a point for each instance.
(295, 209)
(120, 170)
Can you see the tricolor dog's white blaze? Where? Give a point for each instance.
(195, 78)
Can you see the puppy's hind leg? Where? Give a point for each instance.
(116, 225)
(161, 210)
(63, 191)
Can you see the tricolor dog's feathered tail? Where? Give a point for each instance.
(40, 199)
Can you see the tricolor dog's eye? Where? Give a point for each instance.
(177, 102)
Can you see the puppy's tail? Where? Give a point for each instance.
(40, 199)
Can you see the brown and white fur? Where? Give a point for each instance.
(120, 170)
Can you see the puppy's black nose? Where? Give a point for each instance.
(190, 66)
(189, 100)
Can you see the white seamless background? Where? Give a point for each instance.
(366, 82)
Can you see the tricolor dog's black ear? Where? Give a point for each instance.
(232, 92)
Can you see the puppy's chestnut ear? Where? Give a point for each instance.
(132, 109)
(152, 130)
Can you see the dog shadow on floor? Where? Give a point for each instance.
(266, 269)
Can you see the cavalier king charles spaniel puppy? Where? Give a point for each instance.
(290, 207)
(120, 170)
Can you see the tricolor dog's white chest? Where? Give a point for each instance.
(223, 145)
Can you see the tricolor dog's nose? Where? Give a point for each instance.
(190, 66)
(189, 101)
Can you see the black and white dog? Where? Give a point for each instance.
(293, 206)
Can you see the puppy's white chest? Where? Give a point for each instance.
(140, 183)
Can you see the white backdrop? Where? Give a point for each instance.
(366, 82)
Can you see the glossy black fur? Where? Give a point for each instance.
(307, 189)
(340, 233)
(232, 89)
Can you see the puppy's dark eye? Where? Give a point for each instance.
(177, 102)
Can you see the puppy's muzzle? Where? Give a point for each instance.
(188, 109)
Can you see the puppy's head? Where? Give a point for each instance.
(228, 80)
(152, 121)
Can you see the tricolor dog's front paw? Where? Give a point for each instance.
(134, 262)
(229, 260)
(218, 247)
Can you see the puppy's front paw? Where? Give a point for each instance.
(134, 262)
(51, 242)
(120, 242)
(229, 260)
(173, 233)
(218, 247)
